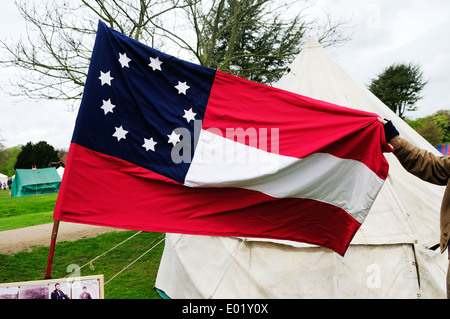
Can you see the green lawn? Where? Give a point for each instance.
(137, 282)
(18, 212)
(25, 220)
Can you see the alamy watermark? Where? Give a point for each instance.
(374, 278)
(227, 146)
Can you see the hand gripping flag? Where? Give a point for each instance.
(164, 145)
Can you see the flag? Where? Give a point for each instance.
(164, 145)
(443, 149)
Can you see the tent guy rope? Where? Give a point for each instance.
(233, 259)
(52, 249)
(51, 253)
(136, 259)
(101, 255)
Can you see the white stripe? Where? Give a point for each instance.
(347, 184)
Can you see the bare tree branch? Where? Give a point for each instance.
(250, 38)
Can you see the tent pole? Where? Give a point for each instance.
(52, 249)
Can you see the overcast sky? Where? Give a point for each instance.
(384, 32)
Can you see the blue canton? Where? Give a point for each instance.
(138, 102)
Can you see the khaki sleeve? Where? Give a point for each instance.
(424, 164)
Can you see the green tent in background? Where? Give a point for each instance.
(35, 182)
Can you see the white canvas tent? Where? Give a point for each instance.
(60, 171)
(390, 257)
(3, 178)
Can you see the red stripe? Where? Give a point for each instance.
(305, 125)
(102, 190)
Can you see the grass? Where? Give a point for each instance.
(15, 222)
(19, 212)
(136, 282)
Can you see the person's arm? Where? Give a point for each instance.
(396, 142)
(419, 162)
(424, 164)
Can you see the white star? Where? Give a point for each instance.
(124, 60)
(120, 133)
(149, 144)
(189, 115)
(182, 87)
(155, 64)
(108, 106)
(105, 78)
(174, 138)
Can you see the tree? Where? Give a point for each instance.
(435, 128)
(399, 87)
(442, 120)
(8, 157)
(252, 39)
(230, 34)
(38, 155)
(55, 54)
(4, 156)
(431, 132)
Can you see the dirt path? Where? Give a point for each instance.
(13, 241)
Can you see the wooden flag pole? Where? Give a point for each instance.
(52, 249)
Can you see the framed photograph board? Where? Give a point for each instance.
(87, 287)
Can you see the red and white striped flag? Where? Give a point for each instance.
(164, 145)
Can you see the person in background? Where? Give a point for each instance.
(430, 168)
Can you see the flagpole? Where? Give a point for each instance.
(52, 249)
